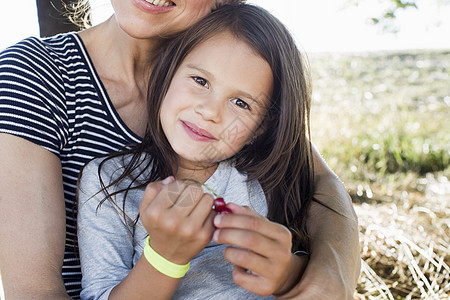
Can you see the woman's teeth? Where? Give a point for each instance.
(160, 2)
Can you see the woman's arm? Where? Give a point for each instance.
(32, 233)
(334, 263)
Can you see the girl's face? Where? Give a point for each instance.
(144, 20)
(216, 101)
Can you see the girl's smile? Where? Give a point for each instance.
(216, 101)
(196, 133)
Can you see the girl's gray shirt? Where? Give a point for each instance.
(107, 250)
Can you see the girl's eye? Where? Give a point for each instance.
(201, 81)
(241, 103)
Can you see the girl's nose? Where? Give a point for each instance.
(209, 108)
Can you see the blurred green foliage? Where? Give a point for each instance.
(376, 116)
(390, 9)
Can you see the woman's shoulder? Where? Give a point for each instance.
(41, 55)
(43, 46)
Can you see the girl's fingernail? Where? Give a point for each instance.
(217, 219)
(167, 180)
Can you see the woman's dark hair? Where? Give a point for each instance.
(280, 158)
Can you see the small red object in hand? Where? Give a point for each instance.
(220, 206)
(219, 203)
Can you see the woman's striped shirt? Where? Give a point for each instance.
(51, 95)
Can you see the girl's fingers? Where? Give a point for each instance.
(259, 265)
(179, 220)
(175, 195)
(203, 209)
(207, 228)
(185, 208)
(152, 190)
(199, 223)
(188, 195)
(251, 221)
(262, 250)
(247, 260)
(253, 241)
(252, 282)
(263, 276)
(167, 206)
(241, 210)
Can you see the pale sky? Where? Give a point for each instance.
(323, 25)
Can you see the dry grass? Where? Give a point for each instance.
(405, 247)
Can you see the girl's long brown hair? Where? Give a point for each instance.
(281, 157)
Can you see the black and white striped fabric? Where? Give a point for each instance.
(51, 95)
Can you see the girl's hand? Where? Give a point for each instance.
(178, 216)
(269, 267)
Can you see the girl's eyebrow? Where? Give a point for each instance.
(259, 102)
(192, 66)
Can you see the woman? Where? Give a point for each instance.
(69, 98)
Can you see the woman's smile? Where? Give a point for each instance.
(149, 19)
(160, 2)
(154, 6)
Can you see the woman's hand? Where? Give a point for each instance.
(266, 265)
(178, 216)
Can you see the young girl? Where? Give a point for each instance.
(229, 107)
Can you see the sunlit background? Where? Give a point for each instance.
(380, 117)
(325, 25)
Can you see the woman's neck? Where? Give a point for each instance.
(123, 65)
(118, 56)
